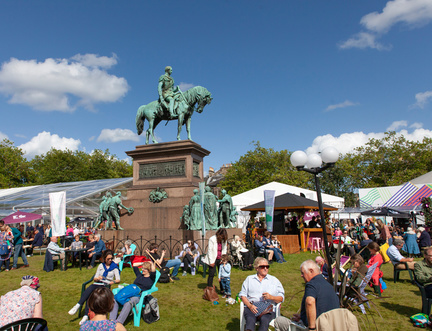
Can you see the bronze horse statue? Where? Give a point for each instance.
(194, 99)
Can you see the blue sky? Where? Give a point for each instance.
(290, 74)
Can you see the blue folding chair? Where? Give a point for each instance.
(133, 248)
(137, 309)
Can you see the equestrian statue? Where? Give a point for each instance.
(173, 104)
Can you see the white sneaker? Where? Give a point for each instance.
(74, 309)
(84, 319)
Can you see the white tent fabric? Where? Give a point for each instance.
(257, 194)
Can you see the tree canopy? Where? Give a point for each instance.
(390, 161)
(57, 166)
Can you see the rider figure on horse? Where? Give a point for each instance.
(168, 94)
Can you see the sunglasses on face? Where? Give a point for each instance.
(264, 267)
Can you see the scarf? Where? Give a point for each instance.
(107, 270)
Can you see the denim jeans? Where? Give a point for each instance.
(174, 263)
(225, 284)
(19, 252)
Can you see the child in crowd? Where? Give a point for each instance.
(275, 242)
(224, 276)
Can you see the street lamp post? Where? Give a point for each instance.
(313, 163)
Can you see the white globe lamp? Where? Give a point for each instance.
(314, 161)
(330, 155)
(298, 159)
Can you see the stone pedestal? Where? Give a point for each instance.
(175, 167)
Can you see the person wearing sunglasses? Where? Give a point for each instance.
(106, 275)
(258, 291)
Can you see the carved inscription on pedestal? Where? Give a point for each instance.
(162, 169)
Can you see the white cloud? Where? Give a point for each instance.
(416, 125)
(55, 84)
(410, 12)
(397, 125)
(3, 136)
(344, 104)
(363, 40)
(93, 60)
(20, 135)
(422, 99)
(185, 86)
(413, 13)
(44, 141)
(346, 142)
(116, 135)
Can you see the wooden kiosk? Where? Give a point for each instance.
(293, 203)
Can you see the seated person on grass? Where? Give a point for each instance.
(56, 250)
(101, 302)
(423, 271)
(319, 297)
(159, 260)
(96, 251)
(189, 256)
(107, 274)
(260, 246)
(145, 279)
(76, 245)
(258, 289)
(396, 257)
(358, 270)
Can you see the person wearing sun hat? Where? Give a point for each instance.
(26, 302)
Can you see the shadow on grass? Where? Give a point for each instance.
(202, 285)
(401, 309)
(233, 325)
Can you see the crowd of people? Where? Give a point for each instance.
(260, 292)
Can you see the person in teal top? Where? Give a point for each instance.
(18, 247)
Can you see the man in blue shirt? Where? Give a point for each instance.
(18, 247)
(319, 297)
(97, 250)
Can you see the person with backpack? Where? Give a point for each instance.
(145, 279)
(106, 275)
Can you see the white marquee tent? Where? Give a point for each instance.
(257, 194)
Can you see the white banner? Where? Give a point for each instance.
(58, 213)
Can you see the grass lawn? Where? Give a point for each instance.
(182, 307)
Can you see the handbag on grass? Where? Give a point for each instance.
(210, 294)
(263, 307)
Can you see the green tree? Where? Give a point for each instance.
(14, 168)
(392, 160)
(58, 166)
(261, 166)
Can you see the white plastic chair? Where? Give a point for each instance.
(196, 258)
(243, 320)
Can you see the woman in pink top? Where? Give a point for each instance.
(23, 303)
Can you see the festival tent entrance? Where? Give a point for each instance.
(21, 217)
(385, 211)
